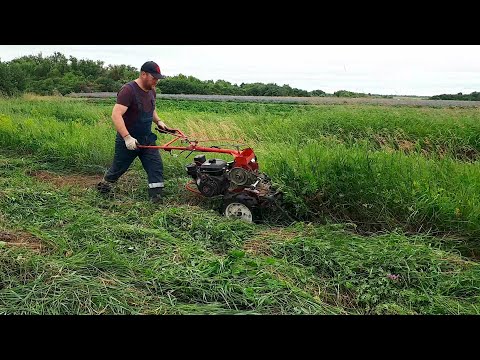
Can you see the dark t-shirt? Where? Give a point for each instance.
(126, 97)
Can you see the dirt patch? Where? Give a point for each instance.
(406, 145)
(383, 143)
(258, 247)
(468, 154)
(23, 239)
(79, 181)
(261, 243)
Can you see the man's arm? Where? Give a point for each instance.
(117, 117)
(117, 112)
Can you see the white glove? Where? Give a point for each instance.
(130, 142)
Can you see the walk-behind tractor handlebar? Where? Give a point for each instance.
(245, 159)
(244, 190)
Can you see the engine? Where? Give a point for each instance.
(217, 177)
(210, 176)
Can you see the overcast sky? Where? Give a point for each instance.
(376, 69)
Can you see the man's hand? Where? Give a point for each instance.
(171, 131)
(130, 142)
(161, 126)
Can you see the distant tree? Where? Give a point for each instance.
(221, 87)
(121, 73)
(71, 82)
(105, 83)
(318, 93)
(90, 69)
(345, 93)
(60, 62)
(6, 87)
(182, 84)
(474, 96)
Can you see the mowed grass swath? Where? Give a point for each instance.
(346, 170)
(67, 250)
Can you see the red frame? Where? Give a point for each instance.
(245, 159)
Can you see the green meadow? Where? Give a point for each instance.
(381, 213)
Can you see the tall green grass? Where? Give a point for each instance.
(379, 167)
(379, 190)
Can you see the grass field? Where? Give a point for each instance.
(385, 203)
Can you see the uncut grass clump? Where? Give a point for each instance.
(378, 190)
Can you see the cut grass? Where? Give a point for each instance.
(123, 255)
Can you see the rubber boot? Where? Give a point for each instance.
(104, 187)
(155, 195)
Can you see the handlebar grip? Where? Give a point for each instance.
(170, 131)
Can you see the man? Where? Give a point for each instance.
(132, 116)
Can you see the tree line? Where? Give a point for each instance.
(59, 75)
(474, 96)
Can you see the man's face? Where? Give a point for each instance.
(151, 81)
